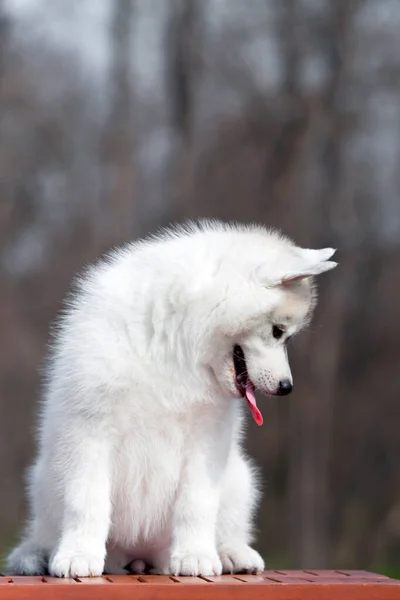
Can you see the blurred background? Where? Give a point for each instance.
(120, 116)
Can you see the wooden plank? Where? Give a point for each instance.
(293, 586)
(251, 578)
(157, 579)
(93, 580)
(301, 575)
(190, 580)
(224, 579)
(363, 574)
(286, 580)
(60, 580)
(338, 574)
(320, 573)
(123, 579)
(25, 580)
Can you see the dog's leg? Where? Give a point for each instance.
(234, 525)
(194, 545)
(28, 558)
(193, 548)
(82, 461)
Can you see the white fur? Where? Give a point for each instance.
(140, 455)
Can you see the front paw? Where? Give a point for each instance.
(195, 563)
(240, 558)
(76, 564)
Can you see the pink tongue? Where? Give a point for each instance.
(251, 401)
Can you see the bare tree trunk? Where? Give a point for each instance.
(3, 36)
(311, 417)
(187, 75)
(117, 209)
(160, 98)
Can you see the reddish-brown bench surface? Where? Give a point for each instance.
(271, 585)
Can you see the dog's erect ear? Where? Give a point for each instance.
(309, 264)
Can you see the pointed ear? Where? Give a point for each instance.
(316, 256)
(311, 263)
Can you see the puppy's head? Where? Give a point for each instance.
(257, 317)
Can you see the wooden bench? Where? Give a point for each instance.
(271, 585)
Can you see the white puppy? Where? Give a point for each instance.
(157, 355)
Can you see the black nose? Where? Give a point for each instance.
(285, 387)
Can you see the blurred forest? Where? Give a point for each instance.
(117, 117)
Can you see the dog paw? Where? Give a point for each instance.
(76, 564)
(26, 560)
(206, 564)
(240, 558)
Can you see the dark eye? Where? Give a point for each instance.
(277, 332)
